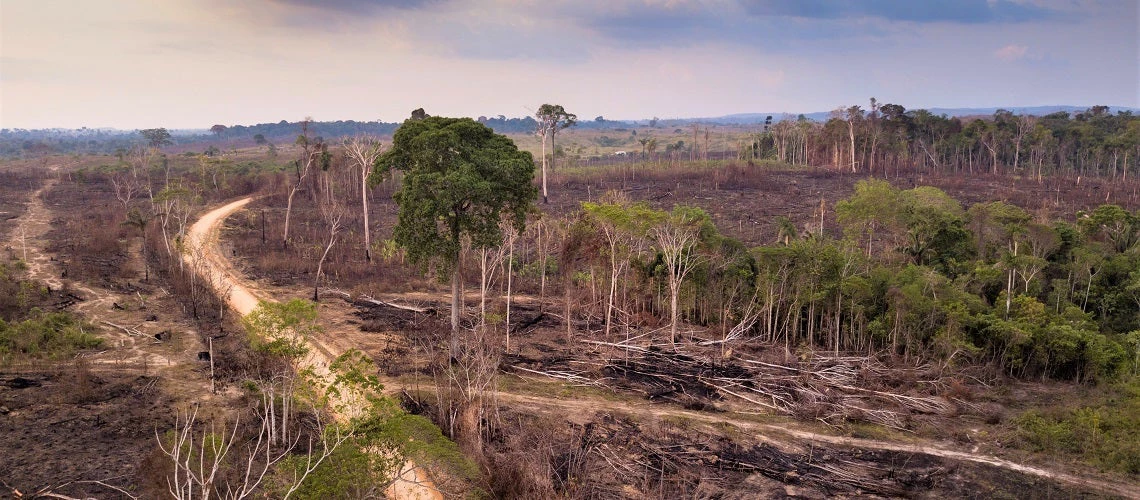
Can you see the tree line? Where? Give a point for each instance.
(914, 275)
(888, 138)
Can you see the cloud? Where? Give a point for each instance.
(359, 6)
(933, 11)
(1011, 52)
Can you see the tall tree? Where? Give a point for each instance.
(551, 119)
(461, 179)
(854, 116)
(363, 151)
(623, 225)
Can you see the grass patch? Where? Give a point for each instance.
(45, 336)
(1105, 433)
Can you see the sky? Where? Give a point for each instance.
(195, 63)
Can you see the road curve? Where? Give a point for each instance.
(203, 244)
(205, 254)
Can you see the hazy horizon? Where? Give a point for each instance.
(187, 65)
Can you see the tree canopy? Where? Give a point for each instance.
(461, 179)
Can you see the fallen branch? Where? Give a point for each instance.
(126, 329)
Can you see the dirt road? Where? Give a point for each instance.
(244, 298)
(412, 482)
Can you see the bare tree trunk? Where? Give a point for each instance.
(615, 269)
(674, 291)
(320, 266)
(851, 134)
(364, 209)
(545, 198)
(510, 271)
(289, 210)
(455, 302)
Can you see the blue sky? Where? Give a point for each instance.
(194, 63)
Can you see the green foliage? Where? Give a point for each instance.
(365, 464)
(156, 137)
(1106, 433)
(51, 336)
(460, 180)
(355, 388)
(1113, 224)
(419, 439)
(280, 328)
(353, 470)
(633, 218)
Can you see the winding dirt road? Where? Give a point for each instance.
(244, 298)
(242, 295)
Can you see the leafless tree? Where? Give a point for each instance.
(201, 469)
(125, 189)
(363, 151)
(312, 153)
(675, 239)
(333, 214)
(1025, 125)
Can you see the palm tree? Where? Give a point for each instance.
(786, 230)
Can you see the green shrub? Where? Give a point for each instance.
(45, 336)
(1105, 434)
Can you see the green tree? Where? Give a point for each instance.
(461, 179)
(676, 239)
(874, 208)
(156, 137)
(1120, 228)
(623, 226)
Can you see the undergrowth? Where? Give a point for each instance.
(1105, 433)
(45, 336)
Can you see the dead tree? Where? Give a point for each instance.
(313, 153)
(363, 151)
(125, 189)
(201, 466)
(676, 239)
(332, 213)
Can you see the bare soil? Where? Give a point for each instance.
(63, 427)
(66, 427)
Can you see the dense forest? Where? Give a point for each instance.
(914, 275)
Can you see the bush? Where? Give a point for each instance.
(50, 336)
(1105, 434)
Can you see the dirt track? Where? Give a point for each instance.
(243, 297)
(206, 229)
(109, 309)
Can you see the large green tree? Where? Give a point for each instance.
(460, 180)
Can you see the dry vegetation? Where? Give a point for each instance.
(546, 404)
